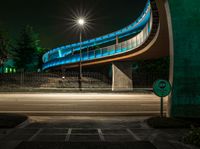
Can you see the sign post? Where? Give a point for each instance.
(161, 106)
(162, 88)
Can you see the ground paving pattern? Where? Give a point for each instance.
(92, 129)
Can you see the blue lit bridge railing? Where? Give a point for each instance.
(141, 28)
(112, 50)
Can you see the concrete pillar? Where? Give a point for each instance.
(122, 76)
(185, 57)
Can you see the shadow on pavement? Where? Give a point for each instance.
(87, 145)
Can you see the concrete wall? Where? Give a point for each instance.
(122, 76)
(185, 58)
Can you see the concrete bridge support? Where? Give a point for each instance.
(122, 76)
(183, 16)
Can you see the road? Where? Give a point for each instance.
(80, 104)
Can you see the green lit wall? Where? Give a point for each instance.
(185, 101)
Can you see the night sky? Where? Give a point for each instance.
(51, 18)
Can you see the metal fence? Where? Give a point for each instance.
(54, 80)
(71, 80)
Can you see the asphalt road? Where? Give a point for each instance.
(80, 104)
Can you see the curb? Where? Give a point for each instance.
(23, 124)
(83, 113)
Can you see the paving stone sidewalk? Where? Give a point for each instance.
(92, 129)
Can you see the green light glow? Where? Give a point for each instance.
(6, 70)
(14, 70)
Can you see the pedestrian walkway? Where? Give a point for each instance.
(61, 130)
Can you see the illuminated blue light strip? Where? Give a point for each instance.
(63, 55)
(104, 39)
(125, 46)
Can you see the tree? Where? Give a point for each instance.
(5, 45)
(160, 65)
(28, 49)
(3, 50)
(41, 52)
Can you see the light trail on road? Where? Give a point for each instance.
(80, 103)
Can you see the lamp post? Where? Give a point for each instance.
(81, 23)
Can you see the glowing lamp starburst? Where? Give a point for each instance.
(81, 21)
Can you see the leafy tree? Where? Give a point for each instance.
(5, 45)
(41, 52)
(28, 50)
(155, 65)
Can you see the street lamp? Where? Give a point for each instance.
(81, 22)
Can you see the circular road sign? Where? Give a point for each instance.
(162, 88)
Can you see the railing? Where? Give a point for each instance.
(112, 50)
(53, 80)
(127, 31)
(70, 80)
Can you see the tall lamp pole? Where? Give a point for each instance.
(81, 23)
